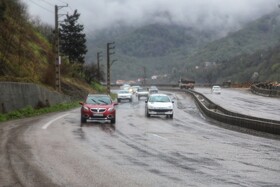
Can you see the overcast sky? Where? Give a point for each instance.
(99, 14)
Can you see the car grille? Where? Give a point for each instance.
(98, 110)
(160, 110)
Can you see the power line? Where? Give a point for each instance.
(41, 6)
(62, 1)
(48, 3)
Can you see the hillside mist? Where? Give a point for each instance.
(198, 54)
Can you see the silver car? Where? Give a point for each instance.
(159, 104)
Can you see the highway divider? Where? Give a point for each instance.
(219, 113)
(266, 90)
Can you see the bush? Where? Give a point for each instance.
(98, 87)
(29, 111)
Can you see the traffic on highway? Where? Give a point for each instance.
(186, 150)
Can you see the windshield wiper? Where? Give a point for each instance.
(94, 101)
(103, 101)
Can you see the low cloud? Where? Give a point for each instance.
(201, 14)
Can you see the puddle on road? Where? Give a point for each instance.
(79, 133)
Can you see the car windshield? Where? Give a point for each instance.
(123, 91)
(216, 87)
(153, 91)
(98, 100)
(159, 99)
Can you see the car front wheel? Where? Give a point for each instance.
(147, 114)
(83, 120)
(113, 121)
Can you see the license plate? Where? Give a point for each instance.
(160, 112)
(97, 114)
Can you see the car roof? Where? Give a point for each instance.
(157, 94)
(98, 95)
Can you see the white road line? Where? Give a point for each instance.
(50, 122)
(159, 136)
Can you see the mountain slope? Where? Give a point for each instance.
(179, 51)
(257, 38)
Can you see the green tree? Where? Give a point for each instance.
(91, 73)
(72, 39)
(2, 10)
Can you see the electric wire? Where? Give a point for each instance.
(35, 3)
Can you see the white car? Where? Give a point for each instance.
(216, 90)
(124, 95)
(159, 104)
(135, 88)
(125, 87)
(141, 92)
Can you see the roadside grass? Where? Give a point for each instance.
(30, 111)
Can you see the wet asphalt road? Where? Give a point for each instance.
(243, 101)
(189, 150)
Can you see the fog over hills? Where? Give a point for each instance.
(218, 15)
(159, 34)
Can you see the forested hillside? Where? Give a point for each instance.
(240, 54)
(27, 52)
(202, 55)
(24, 52)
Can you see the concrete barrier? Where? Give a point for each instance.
(218, 113)
(273, 92)
(14, 96)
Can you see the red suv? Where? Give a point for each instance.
(99, 108)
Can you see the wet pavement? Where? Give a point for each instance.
(244, 102)
(188, 150)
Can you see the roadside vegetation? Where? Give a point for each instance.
(27, 50)
(31, 112)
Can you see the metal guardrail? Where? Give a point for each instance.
(273, 92)
(218, 113)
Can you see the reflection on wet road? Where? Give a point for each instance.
(188, 150)
(243, 101)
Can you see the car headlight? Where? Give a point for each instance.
(111, 109)
(85, 108)
(151, 107)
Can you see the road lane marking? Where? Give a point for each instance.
(159, 136)
(50, 122)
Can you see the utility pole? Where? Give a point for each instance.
(145, 76)
(99, 58)
(56, 49)
(110, 46)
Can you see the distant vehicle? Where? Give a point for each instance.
(153, 87)
(153, 90)
(216, 90)
(159, 104)
(98, 107)
(227, 84)
(124, 95)
(141, 92)
(186, 84)
(135, 88)
(125, 87)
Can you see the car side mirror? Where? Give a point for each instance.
(172, 101)
(81, 103)
(146, 101)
